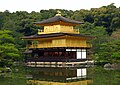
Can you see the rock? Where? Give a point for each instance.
(8, 69)
(115, 65)
(108, 65)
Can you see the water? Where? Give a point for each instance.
(61, 76)
(73, 76)
(101, 76)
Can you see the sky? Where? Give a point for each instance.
(37, 5)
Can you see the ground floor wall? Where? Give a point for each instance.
(58, 57)
(57, 54)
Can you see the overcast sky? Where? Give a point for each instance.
(37, 5)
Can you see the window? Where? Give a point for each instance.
(81, 53)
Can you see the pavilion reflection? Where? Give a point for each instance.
(57, 76)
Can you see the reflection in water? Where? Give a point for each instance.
(81, 72)
(57, 76)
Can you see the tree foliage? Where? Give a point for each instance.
(109, 51)
(8, 51)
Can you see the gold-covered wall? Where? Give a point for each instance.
(52, 28)
(63, 41)
(76, 42)
(58, 28)
(59, 42)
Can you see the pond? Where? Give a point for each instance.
(62, 76)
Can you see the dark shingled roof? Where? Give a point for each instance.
(56, 19)
(54, 35)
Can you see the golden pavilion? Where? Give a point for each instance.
(57, 42)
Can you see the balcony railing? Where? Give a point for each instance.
(68, 31)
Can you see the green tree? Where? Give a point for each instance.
(8, 51)
(109, 51)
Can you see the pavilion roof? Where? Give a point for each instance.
(55, 35)
(57, 19)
